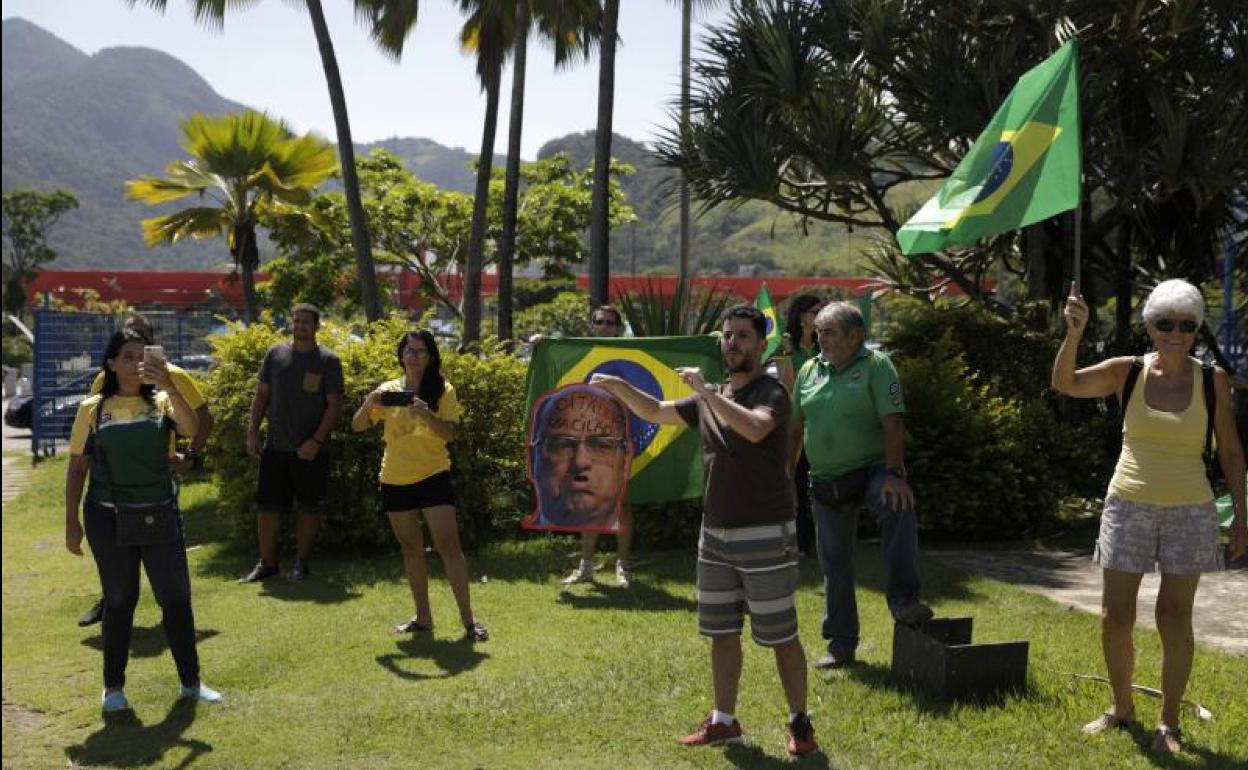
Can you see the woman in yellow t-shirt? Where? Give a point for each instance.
(421, 414)
(1159, 511)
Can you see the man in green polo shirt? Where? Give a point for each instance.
(847, 414)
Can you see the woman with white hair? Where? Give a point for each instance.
(1159, 511)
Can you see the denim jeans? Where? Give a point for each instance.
(170, 578)
(837, 531)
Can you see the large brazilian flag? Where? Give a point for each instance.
(667, 460)
(1024, 167)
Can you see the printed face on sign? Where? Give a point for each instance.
(581, 458)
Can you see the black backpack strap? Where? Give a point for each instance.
(1137, 366)
(1211, 408)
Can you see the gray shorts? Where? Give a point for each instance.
(1173, 539)
(752, 568)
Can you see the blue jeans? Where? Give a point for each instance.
(837, 530)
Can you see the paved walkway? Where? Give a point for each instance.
(1070, 578)
(16, 450)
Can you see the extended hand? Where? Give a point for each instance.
(1076, 310)
(605, 381)
(692, 376)
(157, 374)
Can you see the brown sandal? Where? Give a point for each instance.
(413, 626)
(1108, 721)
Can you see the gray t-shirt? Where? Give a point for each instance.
(299, 383)
(746, 482)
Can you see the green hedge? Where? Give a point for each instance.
(990, 449)
(487, 454)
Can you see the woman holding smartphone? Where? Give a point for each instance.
(421, 413)
(121, 440)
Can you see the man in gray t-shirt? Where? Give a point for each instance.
(300, 388)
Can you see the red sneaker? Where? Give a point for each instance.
(711, 734)
(802, 736)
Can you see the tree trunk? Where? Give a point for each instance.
(360, 240)
(511, 188)
(686, 33)
(247, 256)
(480, 208)
(599, 229)
(1122, 288)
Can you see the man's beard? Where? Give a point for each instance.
(744, 367)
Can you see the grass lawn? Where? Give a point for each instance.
(596, 677)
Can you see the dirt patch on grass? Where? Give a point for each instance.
(21, 717)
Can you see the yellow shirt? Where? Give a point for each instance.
(1161, 461)
(184, 382)
(413, 451)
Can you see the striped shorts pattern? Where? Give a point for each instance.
(754, 567)
(1175, 539)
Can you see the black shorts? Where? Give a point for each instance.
(285, 479)
(426, 493)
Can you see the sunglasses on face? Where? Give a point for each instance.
(604, 322)
(1167, 325)
(599, 447)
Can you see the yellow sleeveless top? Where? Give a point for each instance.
(1160, 462)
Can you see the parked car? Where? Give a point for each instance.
(17, 413)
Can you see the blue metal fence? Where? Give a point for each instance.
(68, 352)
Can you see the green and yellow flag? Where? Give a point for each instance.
(667, 459)
(775, 326)
(1024, 167)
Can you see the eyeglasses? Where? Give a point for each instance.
(1167, 325)
(417, 352)
(604, 322)
(598, 447)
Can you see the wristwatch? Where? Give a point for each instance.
(897, 471)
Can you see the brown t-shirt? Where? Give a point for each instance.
(746, 483)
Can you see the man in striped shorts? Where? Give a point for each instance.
(747, 553)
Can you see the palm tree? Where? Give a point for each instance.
(244, 163)
(599, 228)
(488, 32)
(686, 44)
(389, 23)
(570, 25)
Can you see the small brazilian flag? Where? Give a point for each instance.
(667, 459)
(1024, 167)
(775, 327)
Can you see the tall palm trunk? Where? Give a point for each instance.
(686, 34)
(599, 229)
(247, 256)
(360, 240)
(511, 184)
(480, 204)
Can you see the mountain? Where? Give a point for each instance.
(88, 123)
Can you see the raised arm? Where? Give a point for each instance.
(1097, 381)
(643, 405)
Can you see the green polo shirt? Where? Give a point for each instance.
(841, 409)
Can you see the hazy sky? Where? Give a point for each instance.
(266, 58)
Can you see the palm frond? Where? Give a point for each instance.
(197, 222)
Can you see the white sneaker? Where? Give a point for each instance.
(623, 573)
(584, 573)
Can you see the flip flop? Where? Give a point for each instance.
(1108, 721)
(413, 626)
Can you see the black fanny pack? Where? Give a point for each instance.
(148, 523)
(841, 490)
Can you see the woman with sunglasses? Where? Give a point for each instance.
(421, 414)
(1159, 511)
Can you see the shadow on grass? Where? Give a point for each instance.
(453, 658)
(1045, 569)
(1205, 759)
(124, 741)
(879, 677)
(146, 641)
(638, 596)
(751, 757)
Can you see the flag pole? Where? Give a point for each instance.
(1079, 242)
(1078, 266)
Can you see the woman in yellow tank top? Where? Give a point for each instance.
(1159, 511)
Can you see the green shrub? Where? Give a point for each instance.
(991, 450)
(17, 349)
(487, 455)
(567, 314)
(527, 292)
